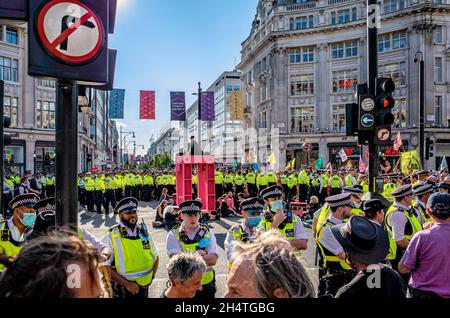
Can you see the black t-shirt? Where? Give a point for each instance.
(391, 285)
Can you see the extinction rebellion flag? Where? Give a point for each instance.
(178, 106)
(147, 105)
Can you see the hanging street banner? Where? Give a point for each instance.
(116, 104)
(237, 105)
(147, 105)
(207, 112)
(178, 106)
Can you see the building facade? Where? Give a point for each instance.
(167, 143)
(303, 60)
(30, 102)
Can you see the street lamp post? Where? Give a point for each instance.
(199, 119)
(418, 58)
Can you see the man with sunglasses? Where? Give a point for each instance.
(15, 230)
(192, 237)
(252, 210)
(135, 259)
(278, 217)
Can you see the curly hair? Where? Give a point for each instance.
(40, 269)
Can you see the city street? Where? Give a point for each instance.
(97, 225)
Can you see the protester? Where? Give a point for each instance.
(267, 268)
(427, 257)
(185, 275)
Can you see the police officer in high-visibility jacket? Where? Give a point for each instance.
(336, 184)
(229, 182)
(389, 187)
(110, 192)
(356, 193)
(402, 223)
(135, 259)
(99, 191)
(334, 272)
(218, 181)
(239, 181)
(14, 231)
(422, 194)
(278, 217)
(192, 237)
(252, 210)
(272, 178)
(250, 177)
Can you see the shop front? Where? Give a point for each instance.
(14, 157)
(352, 151)
(44, 157)
(296, 151)
(442, 151)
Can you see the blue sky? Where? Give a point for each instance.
(171, 45)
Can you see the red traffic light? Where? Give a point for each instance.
(388, 103)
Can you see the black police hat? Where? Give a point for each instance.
(46, 217)
(372, 205)
(191, 207)
(126, 205)
(272, 192)
(253, 204)
(28, 200)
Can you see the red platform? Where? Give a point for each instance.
(205, 177)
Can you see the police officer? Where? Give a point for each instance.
(50, 185)
(356, 193)
(99, 190)
(110, 192)
(334, 272)
(120, 186)
(190, 237)
(389, 187)
(81, 191)
(218, 181)
(262, 181)
(292, 186)
(89, 187)
(252, 210)
(229, 182)
(239, 181)
(284, 184)
(129, 184)
(278, 217)
(422, 193)
(316, 185)
(251, 183)
(336, 184)
(8, 194)
(402, 223)
(16, 229)
(303, 185)
(272, 178)
(135, 259)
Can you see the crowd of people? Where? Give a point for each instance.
(390, 246)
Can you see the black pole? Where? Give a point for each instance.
(2, 142)
(372, 65)
(422, 111)
(66, 154)
(199, 141)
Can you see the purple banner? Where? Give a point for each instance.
(207, 112)
(178, 106)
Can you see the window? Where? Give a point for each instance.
(295, 56)
(344, 49)
(345, 81)
(301, 55)
(302, 119)
(337, 50)
(399, 40)
(384, 43)
(302, 85)
(45, 115)
(437, 35)
(9, 69)
(438, 111)
(438, 69)
(395, 71)
(391, 41)
(354, 14)
(399, 112)
(300, 23)
(393, 5)
(11, 109)
(12, 36)
(333, 18)
(339, 118)
(43, 83)
(343, 16)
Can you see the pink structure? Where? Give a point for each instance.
(205, 176)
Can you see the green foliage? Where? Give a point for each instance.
(161, 161)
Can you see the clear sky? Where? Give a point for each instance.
(171, 45)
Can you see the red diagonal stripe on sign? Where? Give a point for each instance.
(63, 36)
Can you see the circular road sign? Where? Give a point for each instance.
(70, 31)
(367, 120)
(368, 105)
(307, 148)
(383, 134)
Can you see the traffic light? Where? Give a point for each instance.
(351, 111)
(6, 137)
(429, 148)
(384, 105)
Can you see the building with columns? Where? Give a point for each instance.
(303, 60)
(30, 102)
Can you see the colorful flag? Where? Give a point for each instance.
(329, 167)
(444, 164)
(343, 155)
(178, 106)
(319, 164)
(116, 104)
(237, 105)
(291, 165)
(398, 143)
(362, 165)
(272, 160)
(147, 105)
(207, 112)
(411, 162)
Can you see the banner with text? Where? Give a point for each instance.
(207, 112)
(147, 105)
(116, 104)
(237, 105)
(178, 106)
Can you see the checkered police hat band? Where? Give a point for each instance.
(24, 202)
(339, 203)
(192, 208)
(48, 208)
(128, 206)
(274, 193)
(254, 206)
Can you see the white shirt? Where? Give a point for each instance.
(397, 221)
(173, 246)
(329, 241)
(229, 239)
(99, 245)
(15, 233)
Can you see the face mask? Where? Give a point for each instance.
(28, 219)
(276, 206)
(254, 221)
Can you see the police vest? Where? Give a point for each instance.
(292, 181)
(134, 257)
(349, 180)
(288, 230)
(272, 178)
(262, 180)
(110, 184)
(194, 180)
(129, 180)
(425, 217)
(99, 185)
(251, 178)
(239, 180)
(330, 261)
(325, 179)
(89, 184)
(49, 181)
(315, 182)
(284, 180)
(365, 187)
(138, 181)
(172, 180)
(238, 234)
(336, 182)
(411, 228)
(324, 215)
(191, 246)
(8, 245)
(388, 189)
(218, 177)
(303, 178)
(228, 178)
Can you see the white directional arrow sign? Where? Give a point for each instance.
(367, 120)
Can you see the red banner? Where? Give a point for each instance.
(147, 105)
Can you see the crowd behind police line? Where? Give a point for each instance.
(353, 236)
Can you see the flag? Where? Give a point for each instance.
(444, 164)
(147, 105)
(349, 165)
(343, 155)
(398, 143)
(237, 105)
(272, 160)
(207, 112)
(319, 164)
(178, 106)
(410, 162)
(362, 165)
(329, 167)
(235, 164)
(291, 165)
(116, 104)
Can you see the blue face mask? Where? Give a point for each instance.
(275, 206)
(28, 219)
(254, 221)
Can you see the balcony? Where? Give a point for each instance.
(332, 2)
(297, 7)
